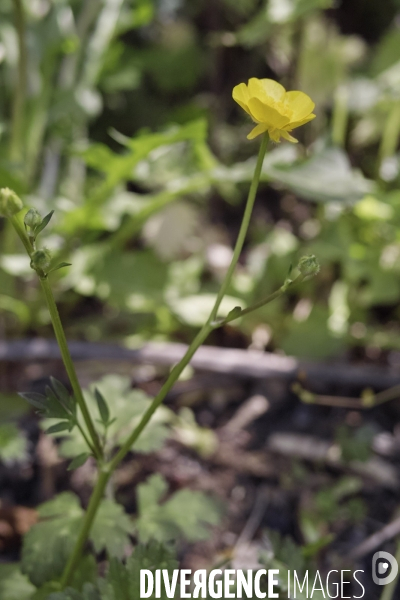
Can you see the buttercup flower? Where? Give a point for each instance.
(273, 108)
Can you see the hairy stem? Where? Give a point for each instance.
(90, 515)
(282, 290)
(62, 342)
(69, 365)
(243, 228)
(174, 375)
(20, 89)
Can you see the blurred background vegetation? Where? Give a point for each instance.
(119, 116)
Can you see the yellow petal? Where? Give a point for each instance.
(240, 94)
(294, 124)
(256, 89)
(273, 89)
(300, 104)
(266, 114)
(288, 137)
(258, 130)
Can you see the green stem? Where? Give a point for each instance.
(243, 228)
(62, 342)
(20, 90)
(174, 375)
(208, 326)
(19, 228)
(282, 290)
(390, 588)
(390, 136)
(340, 117)
(69, 365)
(90, 515)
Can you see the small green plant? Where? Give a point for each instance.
(105, 429)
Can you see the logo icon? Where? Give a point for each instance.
(384, 563)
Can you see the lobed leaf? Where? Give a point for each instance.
(172, 519)
(111, 529)
(48, 544)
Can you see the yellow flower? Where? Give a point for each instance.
(273, 108)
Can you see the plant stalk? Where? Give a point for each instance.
(282, 290)
(69, 365)
(390, 137)
(90, 515)
(62, 342)
(173, 377)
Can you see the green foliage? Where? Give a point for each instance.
(79, 460)
(13, 584)
(325, 177)
(49, 543)
(355, 444)
(102, 405)
(124, 101)
(111, 529)
(122, 580)
(56, 404)
(126, 407)
(171, 518)
(13, 444)
(285, 555)
(332, 507)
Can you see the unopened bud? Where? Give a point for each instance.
(32, 218)
(10, 203)
(41, 260)
(308, 266)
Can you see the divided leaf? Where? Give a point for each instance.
(62, 394)
(48, 544)
(172, 519)
(56, 404)
(111, 529)
(128, 405)
(88, 592)
(13, 584)
(122, 581)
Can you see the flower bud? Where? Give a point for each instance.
(308, 266)
(32, 218)
(41, 260)
(10, 203)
